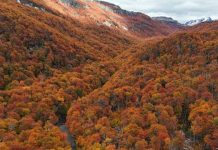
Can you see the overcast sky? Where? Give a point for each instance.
(181, 10)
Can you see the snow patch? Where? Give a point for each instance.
(198, 21)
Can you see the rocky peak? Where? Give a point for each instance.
(198, 21)
(165, 19)
(169, 21)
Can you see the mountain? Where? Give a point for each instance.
(68, 81)
(56, 58)
(206, 26)
(198, 21)
(107, 14)
(141, 24)
(164, 87)
(169, 21)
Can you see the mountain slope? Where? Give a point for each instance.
(169, 21)
(160, 96)
(47, 61)
(140, 23)
(110, 15)
(110, 89)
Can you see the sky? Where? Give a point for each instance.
(181, 10)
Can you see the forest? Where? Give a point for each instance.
(112, 90)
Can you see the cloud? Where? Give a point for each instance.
(182, 10)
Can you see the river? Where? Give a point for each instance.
(70, 138)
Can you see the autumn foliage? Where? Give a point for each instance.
(113, 91)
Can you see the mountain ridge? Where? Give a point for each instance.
(110, 15)
(198, 21)
(66, 82)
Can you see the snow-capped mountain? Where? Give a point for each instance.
(198, 21)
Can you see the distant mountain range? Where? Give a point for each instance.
(169, 21)
(175, 23)
(198, 21)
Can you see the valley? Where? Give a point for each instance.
(89, 75)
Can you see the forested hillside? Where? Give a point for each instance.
(164, 93)
(111, 89)
(47, 62)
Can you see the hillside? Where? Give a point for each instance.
(66, 80)
(141, 24)
(164, 93)
(39, 52)
(102, 13)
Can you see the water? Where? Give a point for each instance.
(70, 138)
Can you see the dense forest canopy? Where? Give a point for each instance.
(113, 90)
